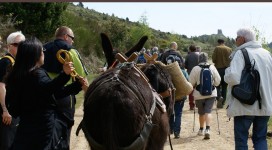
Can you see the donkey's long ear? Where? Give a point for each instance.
(137, 47)
(107, 48)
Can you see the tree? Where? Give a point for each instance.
(143, 19)
(259, 37)
(39, 19)
(6, 26)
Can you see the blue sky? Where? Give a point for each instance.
(194, 18)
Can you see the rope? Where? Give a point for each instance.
(67, 58)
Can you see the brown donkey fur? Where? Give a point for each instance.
(116, 105)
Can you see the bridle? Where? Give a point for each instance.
(140, 141)
(171, 90)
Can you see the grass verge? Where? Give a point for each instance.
(80, 95)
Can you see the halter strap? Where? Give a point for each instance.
(143, 137)
(137, 144)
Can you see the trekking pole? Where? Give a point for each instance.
(194, 121)
(217, 118)
(170, 143)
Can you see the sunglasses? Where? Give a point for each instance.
(14, 44)
(70, 36)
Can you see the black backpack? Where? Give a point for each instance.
(172, 57)
(247, 92)
(206, 81)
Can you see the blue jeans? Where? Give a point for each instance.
(241, 127)
(175, 119)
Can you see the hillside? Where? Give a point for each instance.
(87, 25)
(124, 34)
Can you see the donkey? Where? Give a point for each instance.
(161, 81)
(121, 109)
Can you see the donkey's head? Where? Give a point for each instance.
(119, 106)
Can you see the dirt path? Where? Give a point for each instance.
(189, 140)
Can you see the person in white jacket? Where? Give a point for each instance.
(246, 115)
(204, 103)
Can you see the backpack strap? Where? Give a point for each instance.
(204, 65)
(11, 59)
(257, 75)
(246, 57)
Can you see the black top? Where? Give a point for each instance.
(34, 102)
(51, 64)
(5, 67)
(66, 105)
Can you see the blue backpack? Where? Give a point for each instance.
(141, 59)
(206, 82)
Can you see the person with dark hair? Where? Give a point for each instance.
(220, 58)
(247, 116)
(191, 60)
(8, 124)
(161, 51)
(31, 95)
(204, 103)
(170, 56)
(64, 38)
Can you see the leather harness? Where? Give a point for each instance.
(142, 138)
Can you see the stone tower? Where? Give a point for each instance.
(219, 31)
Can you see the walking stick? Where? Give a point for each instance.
(194, 121)
(217, 118)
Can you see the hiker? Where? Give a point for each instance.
(161, 51)
(191, 60)
(168, 57)
(154, 50)
(8, 124)
(31, 95)
(64, 38)
(204, 103)
(172, 52)
(141, 59)
(105, 66)
(220, 58)
(198, 49)
(247, 115)
(175, 119)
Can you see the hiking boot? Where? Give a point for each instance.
(200, 132)
(171, 131)
(176, 135)
(207, 134)
(220, 102)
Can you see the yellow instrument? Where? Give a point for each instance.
(67, 58)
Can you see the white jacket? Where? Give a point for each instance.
(195, 80)
(263, 63)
